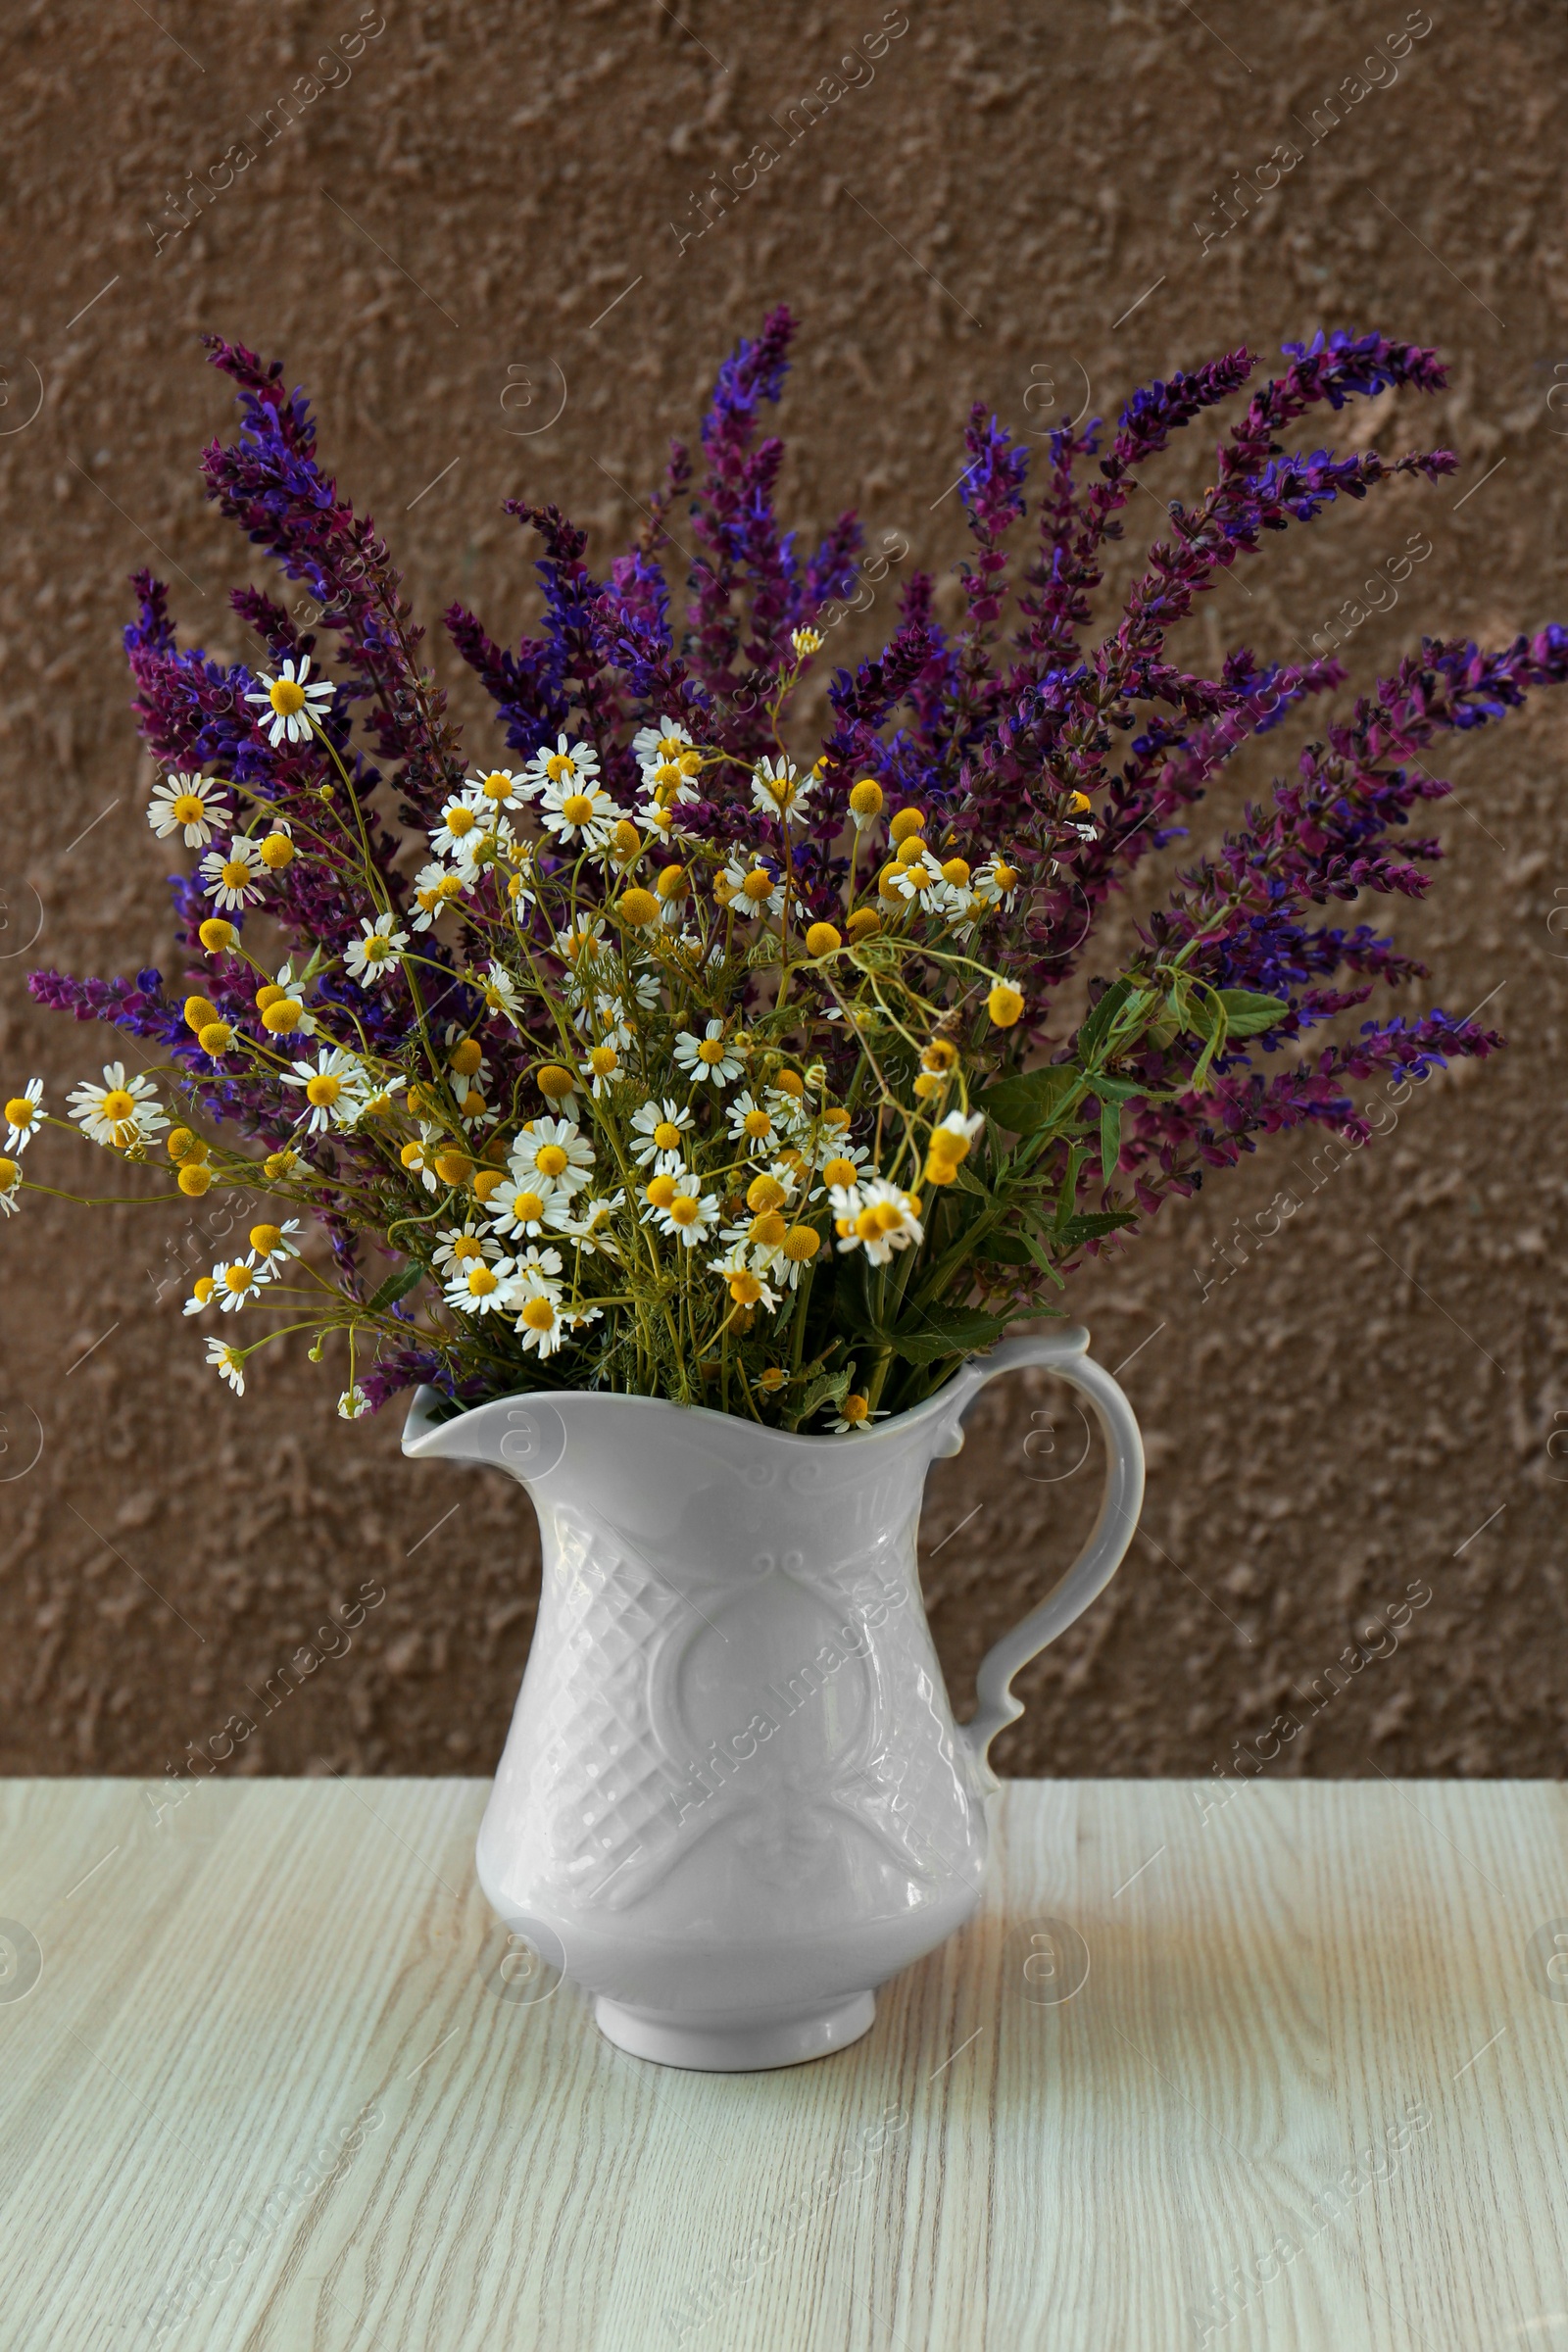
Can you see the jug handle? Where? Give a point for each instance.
(1064, 1354)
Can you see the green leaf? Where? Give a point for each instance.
(1031, 1100)
(1116, 1089)
(1110, 1140)
(1248, 1014)
(1090, 1224)
(948, 1331)
(829, 1387)
(397, 1284)
(1097, 1028)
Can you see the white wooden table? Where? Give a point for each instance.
(268, 2079)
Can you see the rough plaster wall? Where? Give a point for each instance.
(482, 216)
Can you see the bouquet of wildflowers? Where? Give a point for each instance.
(673, 1056)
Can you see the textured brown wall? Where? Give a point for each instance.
(430, 248)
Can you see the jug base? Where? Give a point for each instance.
(736, 2049)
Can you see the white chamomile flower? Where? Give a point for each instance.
(335, 1087)
(556, 1149)
(658, 1127)
(417, 1158)
(711, 1056)
(283, 1014)
(480, 1286)
(753, 1124)
(652, 746)
(25, 1115)
(604, 1068)
(458, 824)
(190, 805)
(749, 889)
(468, 1070)
(806, 641)
(501, 992)
(542, 1323)
(459, 1246)
(201, 1296)
(688, 1215)
(746, 1287)
(353, 1404)
(876, 1216)
(578, 811)
(789, 1111)
(235, 880)
(292, 702)
(996, 883)
(524, 1207)
(237, 1281)
(840, 1168)
(854, 1414)
(372, 957)
(649, 988)
(272, 1244)
(10, 1187)
(498, 788)
(435, 888)
(230, 1361)
(569, 768)
(778, 789)
(121, 1113)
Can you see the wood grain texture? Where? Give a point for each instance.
(271, 2092)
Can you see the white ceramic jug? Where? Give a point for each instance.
(733, 1799)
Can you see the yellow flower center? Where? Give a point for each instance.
(839, 1172)
(481, 1282)
(956, 871)
(412, 1155)
(639, 908)
(908, 821)
(119, 1105)
(282, 1015)
(758, 1126)
(466, 1245)
(466, 1056)
(324, 1090)
(671, 881)
(769, 1229)
(235, 873)
(1006, 876)
(771, 1378)
(948, 1147)
(602, 1060)
(551, 1160)
(9, 1172)
(745, 1288)
(377, 948)
(560, 765)
(539, 1315)
(459, 821)
(865, 798)
(577, 809)
(21, 1111)
(553, 1080)
(277, 850)
(711, 1051)
(497, 787)
(801, 1244)
(765, 1192)
(868, 1225)
(683, 1209)
(285, 697)
(669, 747)
(266, 1238)
(237, 1279)
(216, 1038)
(188, 809)
(449, 887)
(202, 1288)
(854, 1408)
(662, 1191)
(889, 1216)
(666, 1135)
(758, 885)
(527, 1207)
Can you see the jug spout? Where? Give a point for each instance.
(523, 1436)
